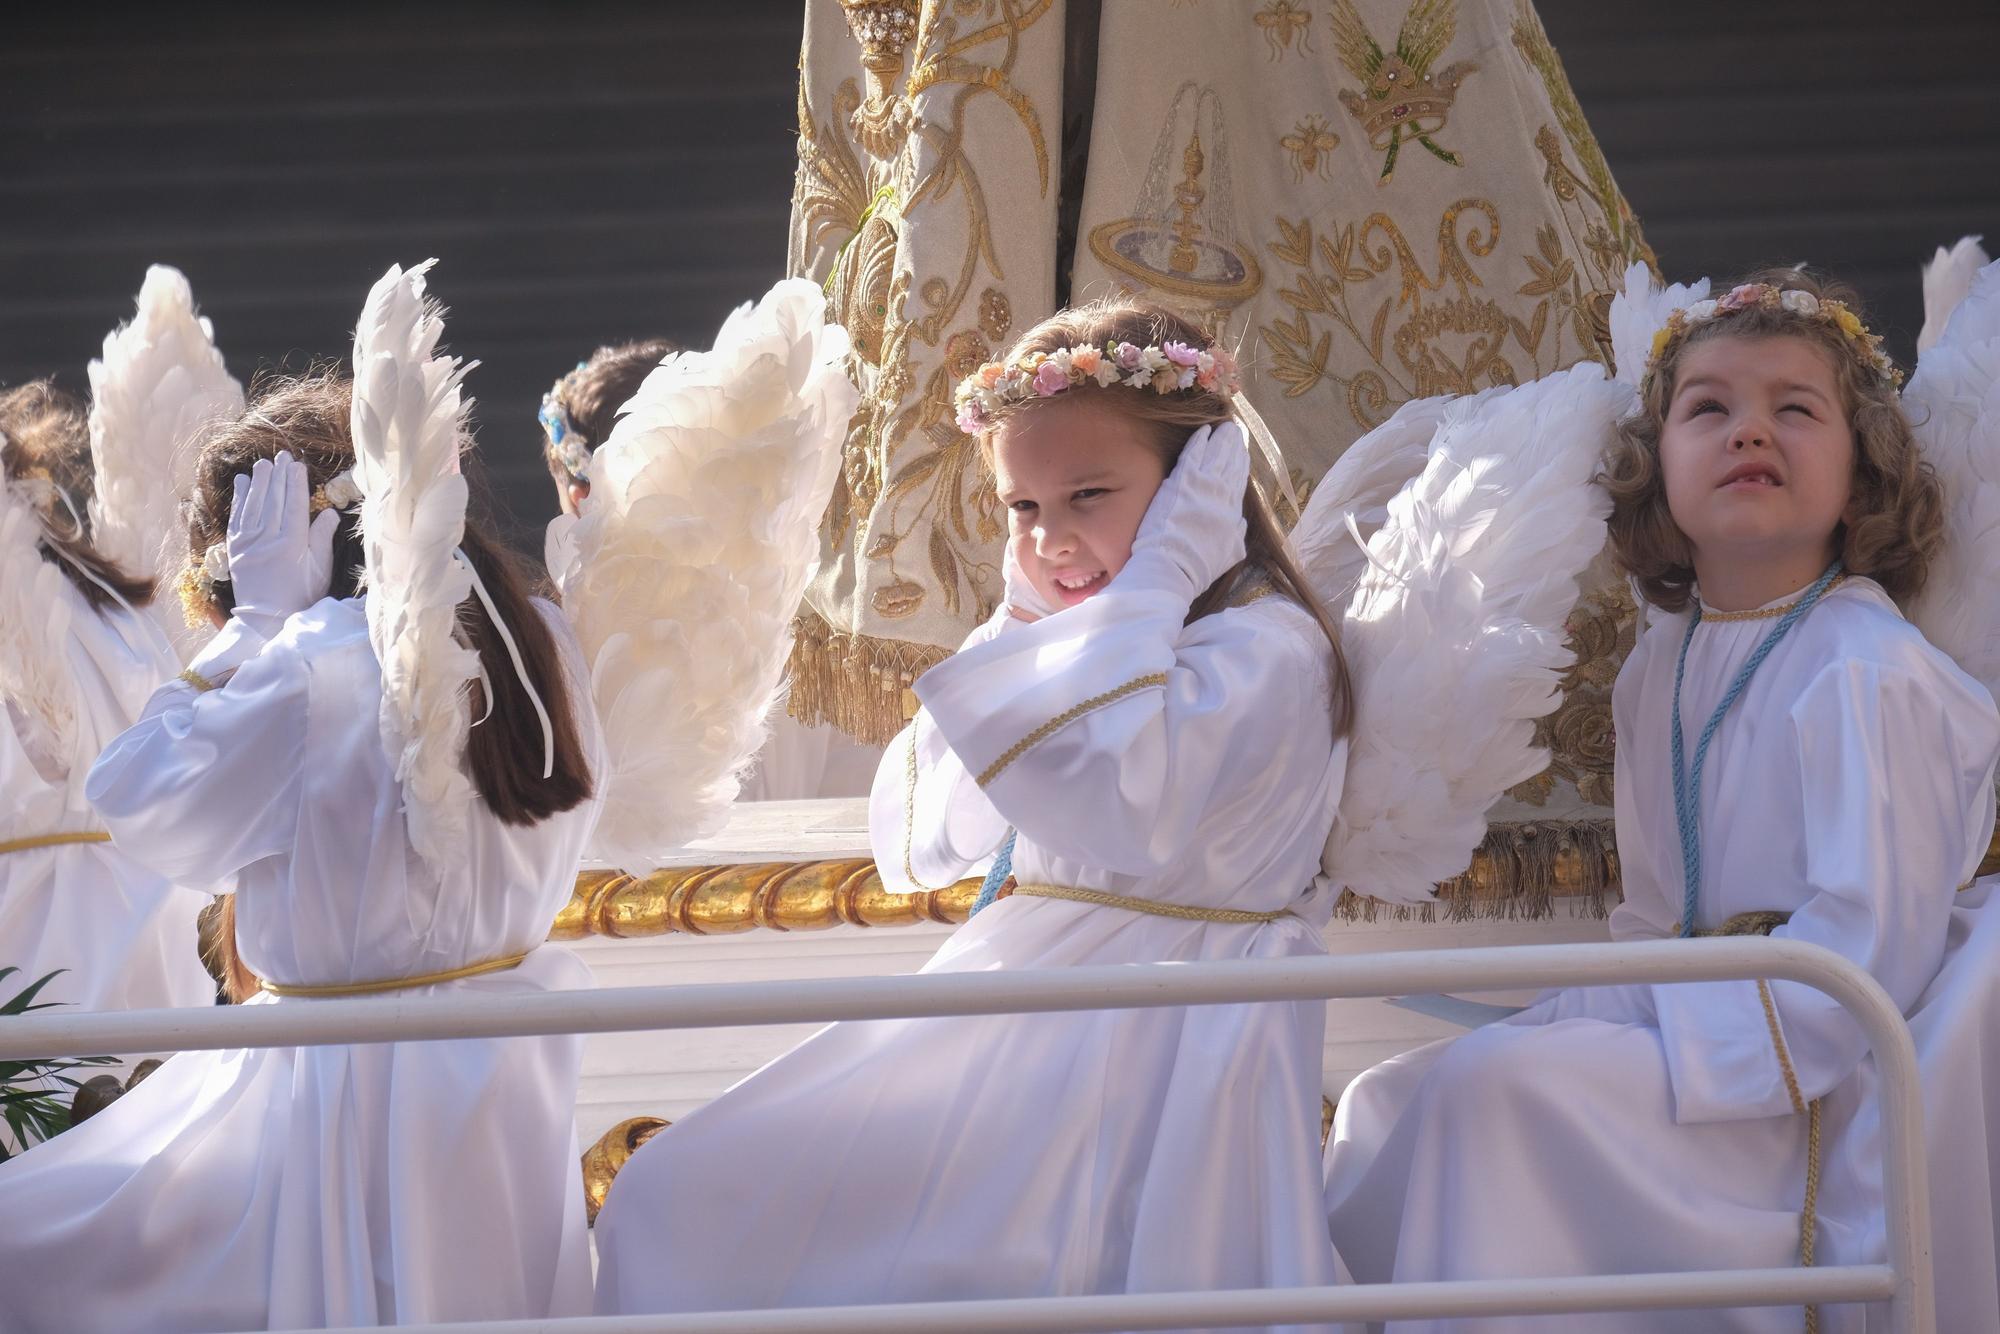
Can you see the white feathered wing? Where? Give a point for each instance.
(1456, 637)
(693, 550)
(408, 425)
(1953, 402)
(158, 384)
(35, 673)
(1947, 278)
(1640, 311)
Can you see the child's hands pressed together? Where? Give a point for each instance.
(279, 562)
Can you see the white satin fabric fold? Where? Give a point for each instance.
(381, 1184)
(125, 934)
(1624, 1129)
(1032, 1155)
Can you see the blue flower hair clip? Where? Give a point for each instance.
(565, 442)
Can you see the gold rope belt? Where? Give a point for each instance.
(1762, 923)
(1152, 907)
(394, 983)
(34, 841)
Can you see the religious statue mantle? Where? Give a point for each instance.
(1373, 200)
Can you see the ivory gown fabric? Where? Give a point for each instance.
(1629, 1129)
(383, 1184)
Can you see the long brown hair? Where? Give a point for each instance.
(45, 436)
(309, 417)
(1167, 421)
(1898, 502)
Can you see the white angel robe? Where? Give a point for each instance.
(1050, 1154)
(384, 1184)
(1627, 1129)
(125, 934)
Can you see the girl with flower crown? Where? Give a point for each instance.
(1794, 759)
(1150, 728)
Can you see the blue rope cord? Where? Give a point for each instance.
(989, 888)
(1687, 786)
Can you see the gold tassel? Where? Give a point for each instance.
(857, 683)
(1519, 873)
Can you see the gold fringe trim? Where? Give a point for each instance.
(1518, 873)
(857, 683)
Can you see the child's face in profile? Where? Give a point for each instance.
(1757, 452)
(1076, 478)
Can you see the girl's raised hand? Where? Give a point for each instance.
(1022, 599)
(1194, 530)
(279, 563)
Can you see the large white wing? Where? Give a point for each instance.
(1353, 497)
(1640, 311)
(1953, 402)
(35, 672)
(1456, 634)
(695, 545)
(160, 381)
(1947, 278)
(408, 426)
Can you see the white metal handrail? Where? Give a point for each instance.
(1904, 1283)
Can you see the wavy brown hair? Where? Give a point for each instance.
(591, 394)
(45, 436)
(1897, 501)
(309, 417)
(1167, 421)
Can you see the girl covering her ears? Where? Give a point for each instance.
(1157, 712)
(79, 659)
(332, 1185)
(1794, 758)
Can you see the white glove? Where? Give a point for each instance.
(279, 563)
(1193, 531)
(1018, 594)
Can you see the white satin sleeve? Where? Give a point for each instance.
(1105, 733)
(1896, 767)
(928, 823)
(1648, 909)
(209, 780)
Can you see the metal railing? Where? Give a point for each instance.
(1904, 1282)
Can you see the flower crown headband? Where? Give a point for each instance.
(565, 444)
(1863, 345)
(1164, 368)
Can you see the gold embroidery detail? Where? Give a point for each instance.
(1310, 146)
(1579, 734)
(1151, 907)
(1283, 20)
(201, 683)
(910, 820)
(1399, 95)
(395, 983)
(1766, 613)
(34, 841)
(1064, 719)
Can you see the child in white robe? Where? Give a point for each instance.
(1838, 778)
(330, 1185)
(79, 662)
(1166, 739)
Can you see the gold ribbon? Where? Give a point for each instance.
(34, 841)
(394, 983)
(1151, 907)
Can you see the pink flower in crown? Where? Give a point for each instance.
(1221, 376)
(969, 420)
(1128, 356)
(1050, 379)
(1085, 360)
(1740, 297)
(1180, 354)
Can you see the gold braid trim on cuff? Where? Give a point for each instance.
(201, 683)
(1064, 719)
(34, 841)
(396, 983)
(1151, 907)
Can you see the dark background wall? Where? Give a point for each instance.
(601, 172)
